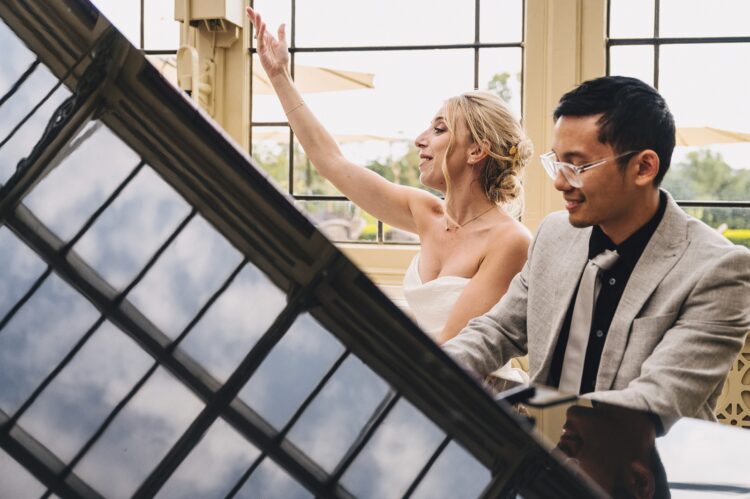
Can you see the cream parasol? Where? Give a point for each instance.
(703, 136)
(309, 79)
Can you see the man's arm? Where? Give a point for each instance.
(490, 340)
(695, 354)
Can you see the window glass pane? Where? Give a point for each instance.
(191, 269)
(679, 18)
(265, 106)
(399, 449)
(73, 191)
(235, 321)
(79, 399)
(725, 103)
(705, 173)
(500, 72)
(139, 437)
(307, 180)
(732, 223)
(271, 153)
(128, 233)
(19, 266)
(16, 481)
(276, 12)
(419, 22)
(410, 88)
(16, 58)
(636, 61)
(161, 31)
(455, 474)
(341, 220)
(631, 18)
(339, 413)
(21, 142)
(395, 235)
(126, 17)
(500, 21)
(166, 64)
(270, 480)
(707, 116)
(40, 334)
(213, 467)
(293, 368)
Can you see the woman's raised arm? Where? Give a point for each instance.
(385, 200)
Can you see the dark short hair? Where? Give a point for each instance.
(634, 116)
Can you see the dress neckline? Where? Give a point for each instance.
(415, 262)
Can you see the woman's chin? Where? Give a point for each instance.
(426, 181)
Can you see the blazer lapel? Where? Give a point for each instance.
(574, 257)
(665, 248)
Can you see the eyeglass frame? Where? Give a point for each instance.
(550, 166)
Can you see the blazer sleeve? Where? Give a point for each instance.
(490, 340)
(694, 355)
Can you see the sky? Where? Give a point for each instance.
(704, 85)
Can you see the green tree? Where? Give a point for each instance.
(499, 85)
(704, 175)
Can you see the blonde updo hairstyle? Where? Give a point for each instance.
(490, 122)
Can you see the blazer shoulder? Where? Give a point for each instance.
(707, 240)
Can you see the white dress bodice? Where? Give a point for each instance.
(431, 302)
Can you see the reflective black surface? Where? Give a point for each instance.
(172, 326)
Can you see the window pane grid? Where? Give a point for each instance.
(656, 42)
(254, 357)
(198, 386)
(385, 407)
(21, 79)
(37, 459)
(295, 48)
(48, 379)
(423, 472)
(20, 303)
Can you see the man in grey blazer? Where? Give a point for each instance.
(672, 311)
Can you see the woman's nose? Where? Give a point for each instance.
(420, 140)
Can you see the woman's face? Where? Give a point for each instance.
(433, 145)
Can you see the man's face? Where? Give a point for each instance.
(606, 196)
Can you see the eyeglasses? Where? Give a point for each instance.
(572, 173)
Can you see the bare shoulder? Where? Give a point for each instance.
(424, 205)
(509, 240)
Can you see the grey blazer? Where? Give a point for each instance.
(678, 327)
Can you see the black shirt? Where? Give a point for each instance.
(613, 284)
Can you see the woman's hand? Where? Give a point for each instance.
(273, 53)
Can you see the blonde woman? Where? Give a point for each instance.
(473, 151)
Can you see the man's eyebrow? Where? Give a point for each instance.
(571, 155)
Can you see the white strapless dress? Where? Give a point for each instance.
(431, 302)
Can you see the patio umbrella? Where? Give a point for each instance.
(309, 79)
(702, 136)
(283, 136)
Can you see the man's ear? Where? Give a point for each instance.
(477, 152)
(640, 480)
(647, 167)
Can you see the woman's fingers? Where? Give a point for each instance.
(282, 33)
(250, 14)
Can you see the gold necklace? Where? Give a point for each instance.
(460, 226)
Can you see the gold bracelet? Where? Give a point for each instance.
(301, 103)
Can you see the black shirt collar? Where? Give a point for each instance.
(630, 249)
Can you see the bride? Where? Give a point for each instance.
(473, 151)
